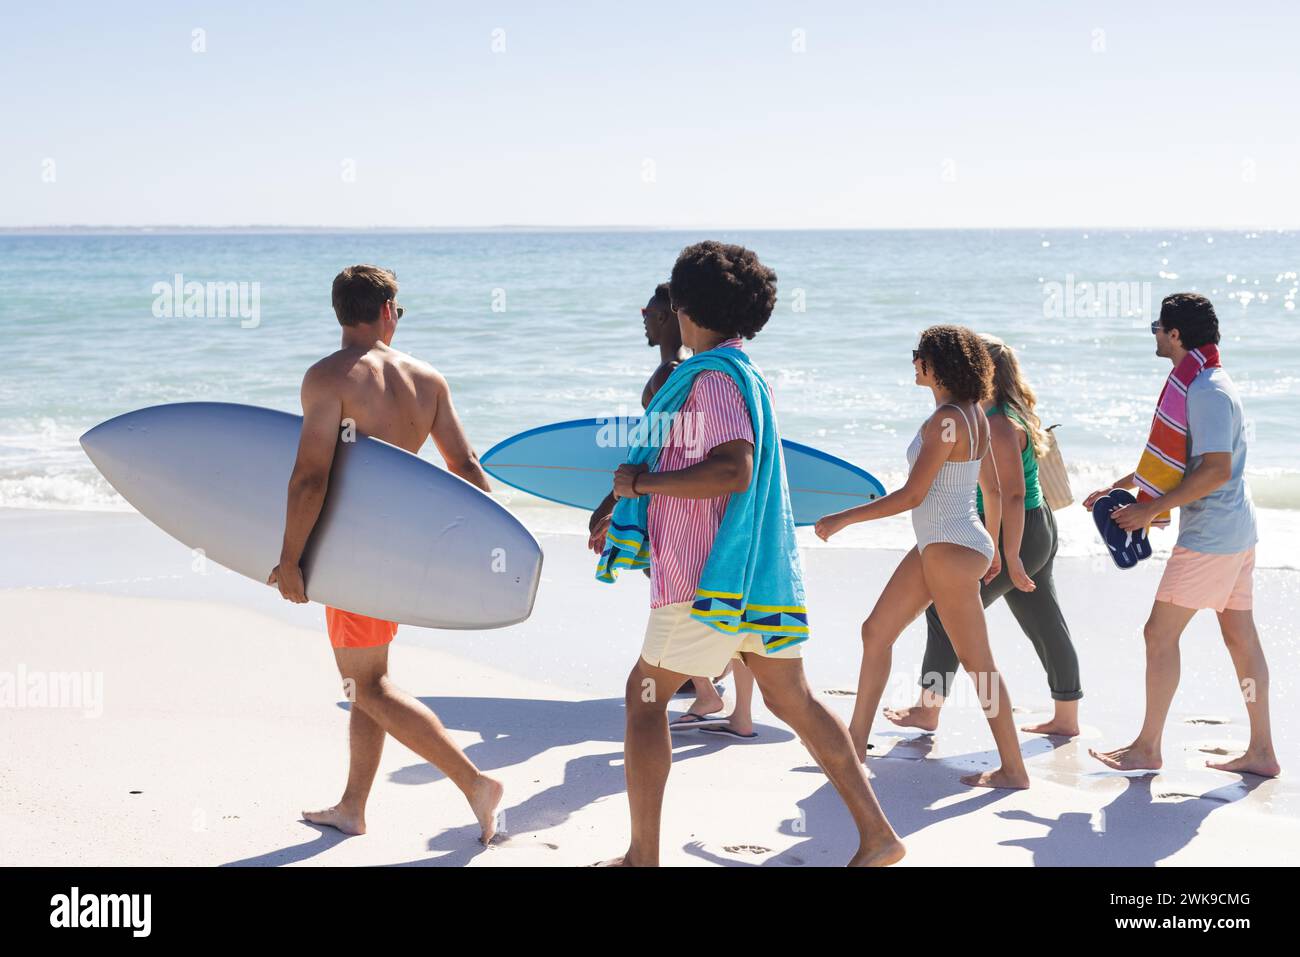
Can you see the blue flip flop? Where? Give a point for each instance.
(1138, 537)
(1116, 540)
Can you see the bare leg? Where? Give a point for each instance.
(1242, 639)
(415, 726)
(365, 745)
(647, 758)
(787, 694)
(904, 598)
(953, 574)
(1163, 629)
(742, 718)
(707, 700)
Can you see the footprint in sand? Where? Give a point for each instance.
(840, 691)
(502, 839)
(1206, 719)
(1217, 749)
(746, 849)
(1176, 795)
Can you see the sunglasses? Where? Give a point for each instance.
(399, 309)
(916, 355)
(1156, 326)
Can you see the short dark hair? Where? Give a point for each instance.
(663, 296)
(724, 288)
(959, 360)
(359, 293)
(1194, 318)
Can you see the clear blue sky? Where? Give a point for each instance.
(1188, 117)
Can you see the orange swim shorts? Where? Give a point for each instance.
(348, 630)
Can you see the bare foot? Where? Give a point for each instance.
(710, 703)
(624, 861)
(483, 800)
(1001, 778)
(883, 856)
(1265, 765)
(917, 716)
(1059, 728)
(1135, 757)
(346, 820)
(745, 727)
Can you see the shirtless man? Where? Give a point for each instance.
(392, 396)
(662, 330)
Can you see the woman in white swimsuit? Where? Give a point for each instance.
(954, 550)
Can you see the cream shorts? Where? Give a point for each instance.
(677, 642)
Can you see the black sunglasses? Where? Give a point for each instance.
(1157, 326)
(916, 355)
(400, 310)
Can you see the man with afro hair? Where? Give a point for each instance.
(717, 403)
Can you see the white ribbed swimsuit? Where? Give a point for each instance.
(948, 513)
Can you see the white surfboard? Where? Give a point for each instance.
(398, 537)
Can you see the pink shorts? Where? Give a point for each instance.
(1201, 580)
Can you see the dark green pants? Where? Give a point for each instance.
(1037, 612)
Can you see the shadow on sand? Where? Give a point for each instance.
(1138, 830)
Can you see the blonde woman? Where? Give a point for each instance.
(1026, 579)
(949, 461)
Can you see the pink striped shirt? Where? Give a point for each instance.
(682, 530)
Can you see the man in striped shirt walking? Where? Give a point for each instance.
(721, 294)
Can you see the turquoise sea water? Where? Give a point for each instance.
(532, 327)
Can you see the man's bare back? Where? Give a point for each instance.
(381, 392)
(390, 395)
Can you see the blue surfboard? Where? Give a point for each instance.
(573, 463)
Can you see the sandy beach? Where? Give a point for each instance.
(210, 715)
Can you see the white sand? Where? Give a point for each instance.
(222, 707)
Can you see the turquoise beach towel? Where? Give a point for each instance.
(752, 580)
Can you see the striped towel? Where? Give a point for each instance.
(1164, 460)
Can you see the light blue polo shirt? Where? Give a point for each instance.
(1222, 522)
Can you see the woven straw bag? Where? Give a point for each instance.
(1052, 477)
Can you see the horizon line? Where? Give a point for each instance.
(574, 228)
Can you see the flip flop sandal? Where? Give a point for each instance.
(1138, 537)
(1115, 539)
(690, 721)
(728, 732)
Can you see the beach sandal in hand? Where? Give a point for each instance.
(1117, 541)
(1138, 537)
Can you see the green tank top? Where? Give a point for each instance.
(1029, 461)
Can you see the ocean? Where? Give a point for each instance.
(536, 326)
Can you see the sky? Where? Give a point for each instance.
(758, 115)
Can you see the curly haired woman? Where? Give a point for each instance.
(1018, 441)
(954, 553)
